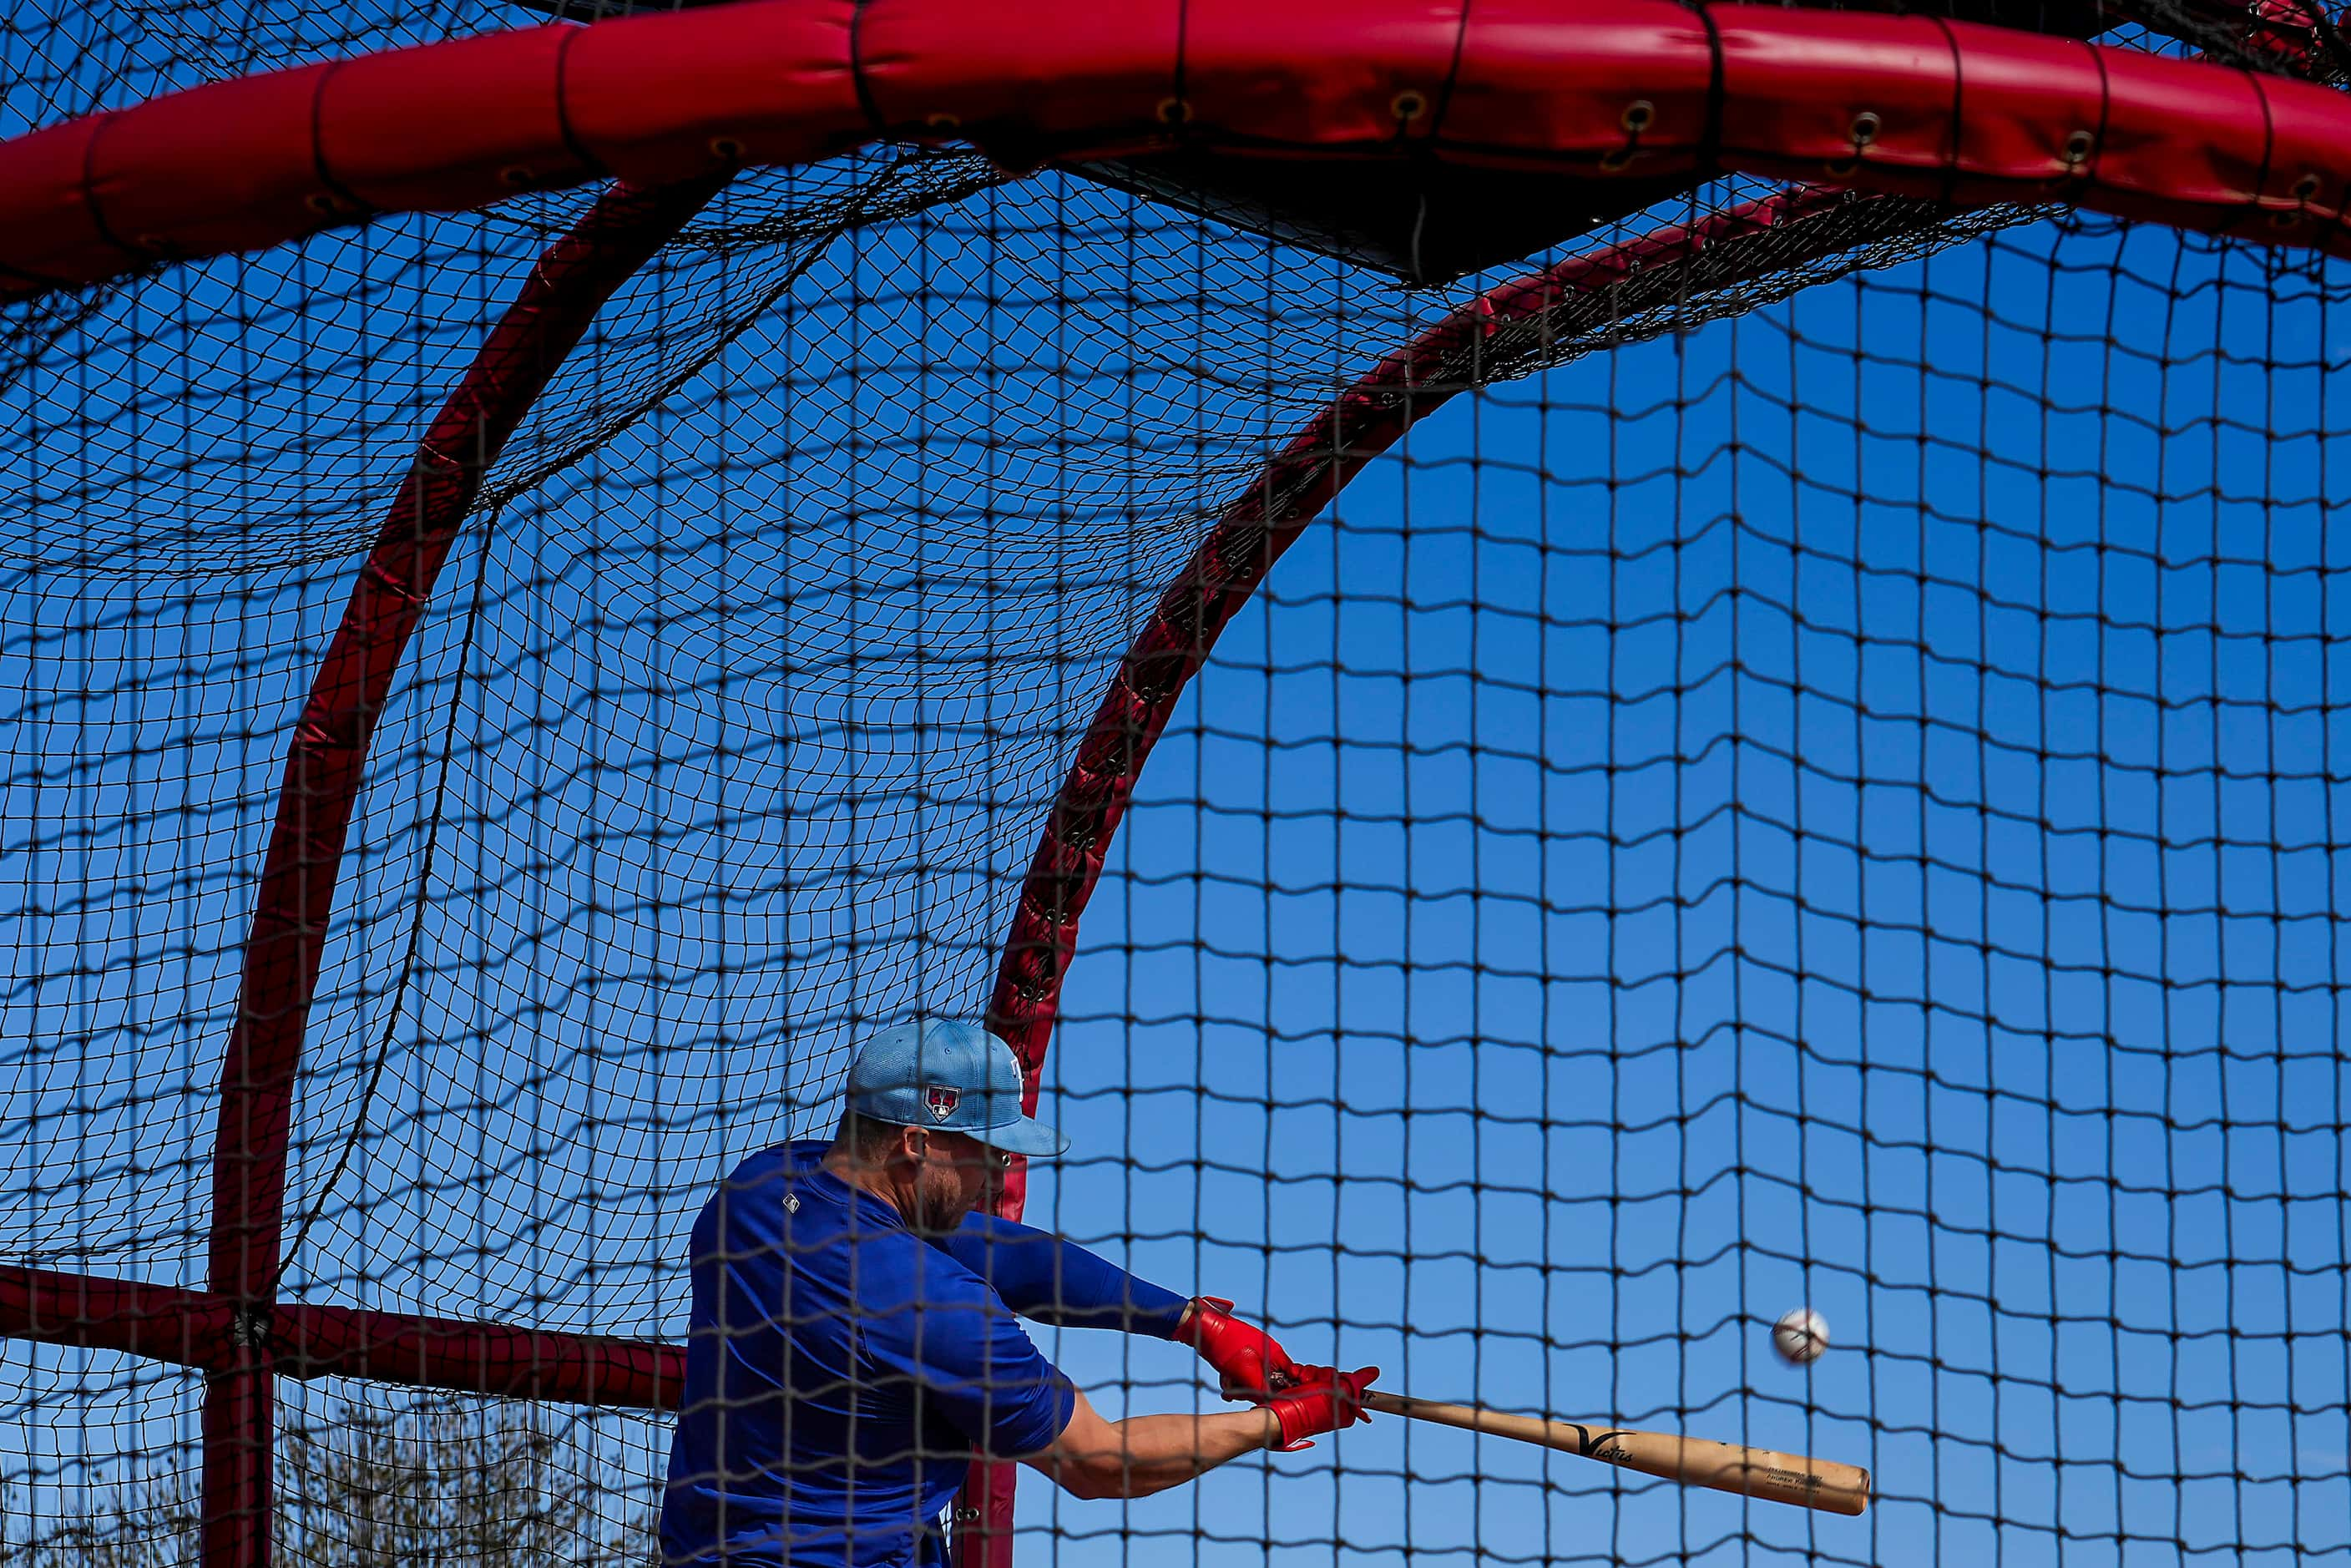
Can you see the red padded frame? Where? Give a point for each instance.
(1908, 105)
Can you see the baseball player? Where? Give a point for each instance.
(854, 1337)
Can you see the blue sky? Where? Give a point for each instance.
(1917, 905)
(1837, 808)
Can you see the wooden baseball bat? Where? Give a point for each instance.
(1694, 1461)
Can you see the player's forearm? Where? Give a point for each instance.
(1040, 1276)
(1147, 1454)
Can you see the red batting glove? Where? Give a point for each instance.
(1323, 1400)
(1250, 1364)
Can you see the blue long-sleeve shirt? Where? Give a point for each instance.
(841, 1367)
(1040, 1276)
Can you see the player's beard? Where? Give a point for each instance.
(944, 1199)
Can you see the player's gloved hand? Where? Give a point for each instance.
(1323, 1399)
(1252, 1365)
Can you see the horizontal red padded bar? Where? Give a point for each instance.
(190, 1328)
(199, 1329)
(1909, 105)
(477, 1357)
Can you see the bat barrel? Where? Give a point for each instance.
(1762, 1473)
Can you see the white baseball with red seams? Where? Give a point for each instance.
(1801, 1336)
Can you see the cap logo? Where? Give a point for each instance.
(941, 1101)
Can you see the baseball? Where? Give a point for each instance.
(1800, 1337)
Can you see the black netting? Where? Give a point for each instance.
(1809, 783)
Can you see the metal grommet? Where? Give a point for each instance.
(1174, 111)
(2284, 219)
(1864, 127)
(1843, 169)
(2078, 146)
(321, 202)
(1616, 158)
(1638, 115)
(1408, 105)
(944, 122)
(726, 147)
(2306, 187)
(514, 175)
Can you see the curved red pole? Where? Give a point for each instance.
(1192, 611)
(1238, 550)
(323, 771)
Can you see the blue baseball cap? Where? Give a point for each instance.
(934, 1072)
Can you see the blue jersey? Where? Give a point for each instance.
(841, 1368)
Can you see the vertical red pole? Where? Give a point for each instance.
(323, 770)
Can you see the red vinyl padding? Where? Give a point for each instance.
(1910, 105)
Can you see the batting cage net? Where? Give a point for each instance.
(1572, 673)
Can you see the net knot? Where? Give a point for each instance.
(248, 1327)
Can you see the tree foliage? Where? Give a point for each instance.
(482, 1486)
